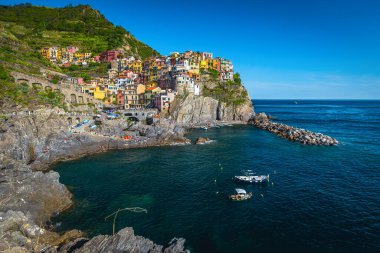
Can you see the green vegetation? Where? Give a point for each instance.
(81, 26)
(55, 79)
(25, 29)
(93, 69)
(230, 92)
(213, 73)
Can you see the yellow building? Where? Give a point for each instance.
(60, 52)
(88, 89)
(151, 84)
(203, 64)
(87, 55)
(136, 66)
(140, 89)
(46, 52)
(100, 92)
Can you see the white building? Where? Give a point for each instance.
(184, 84)
(163, 100)
(197, 90)
(227, 75)
(206, 55)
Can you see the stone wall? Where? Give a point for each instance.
(72, 96)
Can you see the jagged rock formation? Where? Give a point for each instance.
(124, 241)
(200, 110)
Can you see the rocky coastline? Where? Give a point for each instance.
(30, 194)
(299, 135)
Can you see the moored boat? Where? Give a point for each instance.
(240, 195)
(250, 177)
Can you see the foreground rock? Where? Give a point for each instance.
(202, 140)
(124, 241)
(30, 196)
(302, 136)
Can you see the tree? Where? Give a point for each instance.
(237, 78)
(55, 79)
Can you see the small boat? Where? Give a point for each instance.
(240, 195)
(249, 177)
(205, 128)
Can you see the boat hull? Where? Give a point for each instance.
(238, 197)
(252, 179)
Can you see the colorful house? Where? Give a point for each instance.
(109, 55)
(164, 99)
(135, 66)
(100, 92)
(203, 64)
(120, 97)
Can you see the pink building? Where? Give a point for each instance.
(120, 98)
(109, 55)
(127, 74)
(72, 49)
(80, 80)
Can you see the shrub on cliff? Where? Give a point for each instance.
(230, 92)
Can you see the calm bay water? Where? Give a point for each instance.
(319, 199)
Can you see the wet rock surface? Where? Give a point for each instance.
(302, 136)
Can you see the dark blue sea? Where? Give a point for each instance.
(319, 199)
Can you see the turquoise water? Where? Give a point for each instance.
(320, 199)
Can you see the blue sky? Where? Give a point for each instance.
(289, 49)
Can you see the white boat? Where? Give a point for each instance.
(250, 177)
(240, 195)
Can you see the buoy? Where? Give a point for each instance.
(274, 172)
(215, 180)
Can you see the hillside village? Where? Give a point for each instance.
(135, 84)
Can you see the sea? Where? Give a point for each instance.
(318, 199)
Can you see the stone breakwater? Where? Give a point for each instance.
(302, 136)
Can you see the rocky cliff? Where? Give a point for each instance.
(219, 101)
(201, 110)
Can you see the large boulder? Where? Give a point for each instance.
(202, 140)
